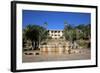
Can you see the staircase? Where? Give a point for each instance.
(55, 45)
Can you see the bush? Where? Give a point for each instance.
(84, 43)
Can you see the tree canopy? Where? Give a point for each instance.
(35, 33)
(80, 32)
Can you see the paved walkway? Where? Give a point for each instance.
(55, 56)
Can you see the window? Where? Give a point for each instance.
(58, 34)
(55, 31)
(51, 31)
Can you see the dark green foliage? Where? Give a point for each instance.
(36, 34)
(80, 32)
(85, 31)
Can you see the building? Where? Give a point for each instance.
(55, 34)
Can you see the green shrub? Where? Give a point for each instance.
(84, 43)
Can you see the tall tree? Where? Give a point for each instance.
(70, 34)
(33, 33)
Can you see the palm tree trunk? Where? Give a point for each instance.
(36, 46)
(33, 45)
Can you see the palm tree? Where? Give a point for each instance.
(86, 31)
(70, 34)
(33, 33)
(80, 32)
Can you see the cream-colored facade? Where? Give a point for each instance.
(55, 34)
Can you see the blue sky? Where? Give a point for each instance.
(55, 20)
